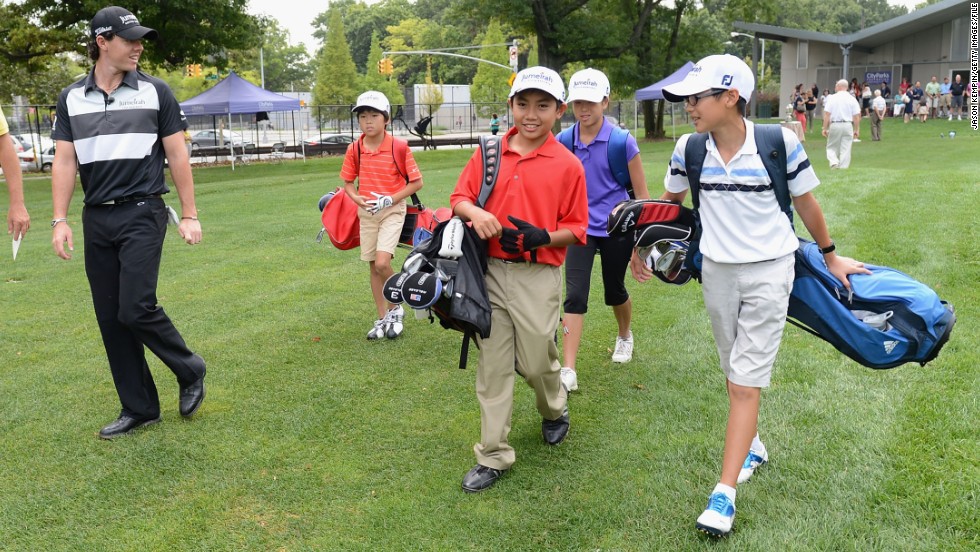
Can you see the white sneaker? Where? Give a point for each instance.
(718, 518)
(378, 330)
(950, 117)
(624, 349)
(569, 379)
(752, 461)
(393, 322)
(959, 117)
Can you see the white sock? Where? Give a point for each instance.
(729, 491)
(757, 445)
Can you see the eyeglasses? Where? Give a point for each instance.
(693, 100)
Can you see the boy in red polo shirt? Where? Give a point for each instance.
(380, 193)
(538, 208)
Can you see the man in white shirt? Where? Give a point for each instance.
(841, 125)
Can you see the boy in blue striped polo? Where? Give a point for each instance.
(748, 245)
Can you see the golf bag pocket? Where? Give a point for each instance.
(885, 320)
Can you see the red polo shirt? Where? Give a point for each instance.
(377, 171)
(545, 188)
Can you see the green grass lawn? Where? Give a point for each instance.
(313, 438)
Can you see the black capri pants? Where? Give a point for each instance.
(614, 253)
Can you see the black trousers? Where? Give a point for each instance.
(123, 246)
(614, 254)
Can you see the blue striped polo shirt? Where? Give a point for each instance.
(117, 137)
(740, 216)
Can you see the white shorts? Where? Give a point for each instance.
(747, 306)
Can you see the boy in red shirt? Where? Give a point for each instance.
(537, 209)
(380, 193)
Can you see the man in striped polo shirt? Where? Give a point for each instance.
(117, 124)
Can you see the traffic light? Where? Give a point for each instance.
(385, 66)
(197, 69)
(189, 72)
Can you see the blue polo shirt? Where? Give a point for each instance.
(603, 189)
(117, 137)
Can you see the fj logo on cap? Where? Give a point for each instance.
(726, 80)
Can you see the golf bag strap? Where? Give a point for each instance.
(615, 154)
(464, 351)
(399, 149)
(490, 149)
(772, 150)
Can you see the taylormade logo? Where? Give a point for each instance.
(889, 346)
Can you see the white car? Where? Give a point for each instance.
(31, 161)
(210, 139)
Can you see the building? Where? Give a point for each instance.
(932, 41)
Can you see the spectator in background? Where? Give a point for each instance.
(811, 105)
(841, 125)
(856, 90)
(494, 124)
(18, 220)
(799, 106)
(915, 95)
(904, 86)
(956, 92)
(899, 105)
(933, 90)
(866, 99)
(878, 110)
(944, 98)
(886, 93)
(923, 110)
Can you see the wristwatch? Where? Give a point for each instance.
(57, 220)
(829, 249)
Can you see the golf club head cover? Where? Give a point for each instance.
(524, 237)
(452, 239)
(628, 215)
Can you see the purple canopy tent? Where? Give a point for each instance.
(235, 95)
(656, 90)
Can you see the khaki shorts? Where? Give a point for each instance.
(747, 305)
(380, 232)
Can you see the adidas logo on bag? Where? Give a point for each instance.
(889, 346)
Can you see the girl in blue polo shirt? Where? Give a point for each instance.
(588, 95)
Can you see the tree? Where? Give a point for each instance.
(490, 83)
(431, 95)
(373, 80)
(287, 67)
(362, 22)
(336, 78)
(190, 31)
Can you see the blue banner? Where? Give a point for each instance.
(878, 77)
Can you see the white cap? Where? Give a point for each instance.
(725, 72)
(590, 85)
(375, 100)
(539, 78)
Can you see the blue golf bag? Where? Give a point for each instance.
(886, 320)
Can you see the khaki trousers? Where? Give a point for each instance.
(839, 139)
(525, 298)
(875, 126)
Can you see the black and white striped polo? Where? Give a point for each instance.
(117, 138)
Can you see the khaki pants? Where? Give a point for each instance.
(839, 139)
(875, 126)
(525, 299)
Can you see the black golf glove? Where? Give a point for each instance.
(525, 238)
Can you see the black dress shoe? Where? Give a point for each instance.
(554, 431)
(191, 397)
(480, 478)
(124, 425)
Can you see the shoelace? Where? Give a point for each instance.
(623, 345)
(720, 503)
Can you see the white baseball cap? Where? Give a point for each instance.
(724, 71)
(375, 100)
(590, 85)
(539, 78)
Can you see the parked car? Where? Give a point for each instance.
(209, 139)
(327, 139)
(29, 161)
